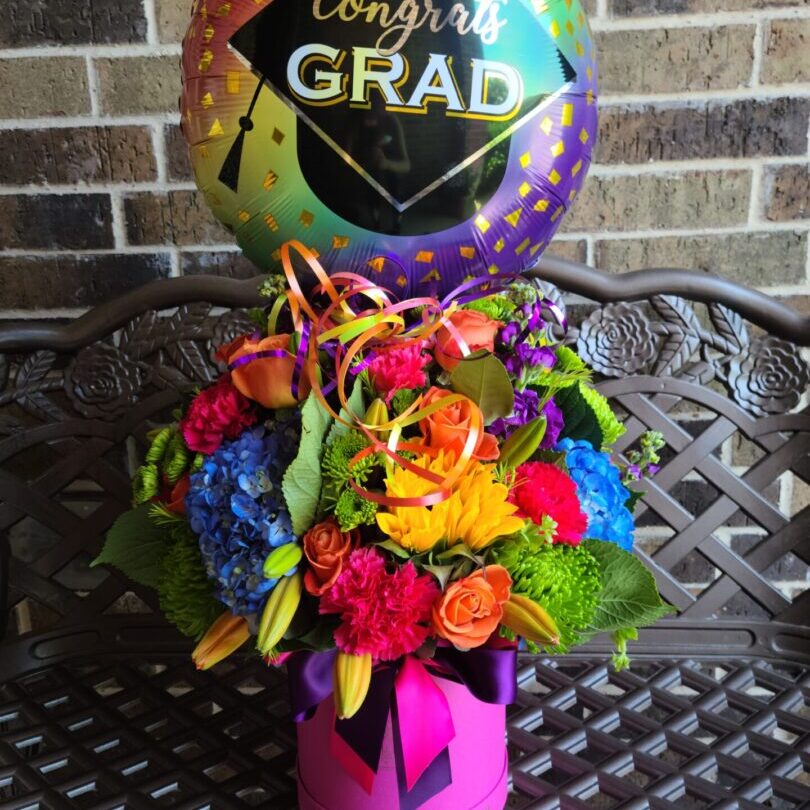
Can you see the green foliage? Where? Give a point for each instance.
(610, 426)
(136, 546)
(353, 510)
(176, 459)
(564, 579)
(302, 481)
(569, 370)
(356, 403)
(629, 596)
(338, 455)
(160, 443)
(496, 307)
(186, 593)
(274, 284)
(485, 381)
(145, 484)
(580, 420)
(403, 400)
(522, 293)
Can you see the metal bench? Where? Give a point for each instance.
(100, 706)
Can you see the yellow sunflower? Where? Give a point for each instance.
(476, 513)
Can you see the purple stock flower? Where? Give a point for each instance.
(526, 408)
(524, 356)
(510, 332)
(527, 404)
(554, 425)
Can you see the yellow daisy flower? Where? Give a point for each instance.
(476, 513)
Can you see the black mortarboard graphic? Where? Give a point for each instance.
(439, 146)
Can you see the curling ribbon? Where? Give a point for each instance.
(421, 721)
(360, 319)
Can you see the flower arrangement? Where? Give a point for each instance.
(381, 479)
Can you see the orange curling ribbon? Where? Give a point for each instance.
(361, 318)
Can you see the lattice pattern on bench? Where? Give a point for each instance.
(148, 734)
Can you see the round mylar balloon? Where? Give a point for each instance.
(449, 136)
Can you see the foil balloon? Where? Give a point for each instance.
(420, 143)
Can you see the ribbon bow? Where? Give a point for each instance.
(421, 738)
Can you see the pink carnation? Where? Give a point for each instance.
(384, 614)
(216, 413)
(395, 369)
(543, 489)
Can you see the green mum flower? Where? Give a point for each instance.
(186, 594)
(353, 510)
(565, 580)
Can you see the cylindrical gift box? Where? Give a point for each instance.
(478, 761)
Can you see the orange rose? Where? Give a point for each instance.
(267, 381)
(475, 329)
(448, 428)
(326, 547)
(469, 611)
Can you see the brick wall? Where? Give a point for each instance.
(703, 160)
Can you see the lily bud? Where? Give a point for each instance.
(282, 559)
(377, 414)
(279, 612)
(352, 680)
(523, 443)
(223, 637)
(526, 618)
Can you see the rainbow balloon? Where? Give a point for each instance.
(419, 143)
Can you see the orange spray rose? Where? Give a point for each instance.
(470, 610)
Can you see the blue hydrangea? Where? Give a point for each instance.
(236, 507)
(601, 492)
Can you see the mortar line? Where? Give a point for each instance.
(714, 20)
(158, 187)
(96, 51)
(756, 208)
(118, 220)
(692, 98)
(694, 166)
(726, 230)
(175, 270)
(92, 87)
(759, 54)
(73, 122)
(159, 148)
(150, 12)
(673, 168)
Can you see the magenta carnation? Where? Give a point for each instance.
(216, 413)
(545, 490)
(384, 614)
(393, 370)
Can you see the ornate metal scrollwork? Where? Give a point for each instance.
(764, 375)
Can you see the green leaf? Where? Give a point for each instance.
(580, 420)
(135, 545)
(394, 548)
(635, 497)
(610, 426)
(486, 382)
(459, 550)
(356, 403)
(302, 481)
(441, 572)
(629, 596)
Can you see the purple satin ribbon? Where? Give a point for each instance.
(489, 674)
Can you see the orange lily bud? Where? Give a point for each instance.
(223, 637)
